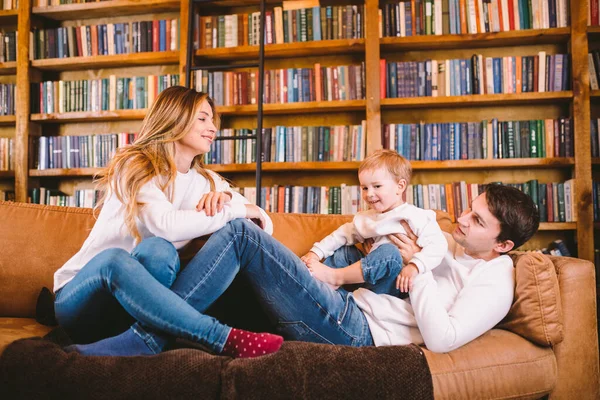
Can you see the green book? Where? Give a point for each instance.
(541, 139)
(533, 142)
(560, 194)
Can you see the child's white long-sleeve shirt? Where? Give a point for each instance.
(375, 225)
(175, 220)
(450, 306)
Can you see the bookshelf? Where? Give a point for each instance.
(577, 103)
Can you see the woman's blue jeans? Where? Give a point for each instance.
(302, 307)
(115, 281)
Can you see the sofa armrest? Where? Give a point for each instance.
(577, 354)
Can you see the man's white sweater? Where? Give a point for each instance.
(376, 225)
(174, 219)
(448, 307)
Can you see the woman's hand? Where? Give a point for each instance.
(406, 243)
(253, 212)
(212, 202)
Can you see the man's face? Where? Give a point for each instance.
(477, 230)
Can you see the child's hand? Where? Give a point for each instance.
(212, 202)
(310, 256)
(406, 276)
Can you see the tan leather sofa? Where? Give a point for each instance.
(547, 344)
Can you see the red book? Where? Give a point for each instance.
(511, 15)
(500, 19)
(94, 32)
(168, 35)
(536, 70)
(155, 31)
(594, 20)
(78, 40)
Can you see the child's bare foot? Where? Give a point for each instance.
(324, 273)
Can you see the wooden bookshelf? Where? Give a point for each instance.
(296, 108)
(473, 41)
(8, 68)
(64, 172)
(375, 110)
(477, 100)
(116, 61)
(86, 116)
(8, 17)
(105, 9)
(515, 163)
(558, 226)
(283, 50)
(7, 120)
(7, 174)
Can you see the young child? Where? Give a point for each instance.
(383, 176)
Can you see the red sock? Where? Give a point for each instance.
(244, 344)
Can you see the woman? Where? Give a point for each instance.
(157, 198)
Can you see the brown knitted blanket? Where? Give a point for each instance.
(39, 369)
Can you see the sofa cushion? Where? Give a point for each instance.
(497, 365)
(536, 313)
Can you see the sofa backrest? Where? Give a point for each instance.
(36, 241)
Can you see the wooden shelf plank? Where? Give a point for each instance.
(417, 165)
(105, 9)
(477, 100)
(594, 32)
(117, 60)
(594, 93)
(508, 163)
(596, 161)
(83, 116)
(64, 172)
(8, 68)
(493, 39)
(8, 17)
(7, 174)
(558, 226)
(7, 120)
(296, 108)
(281, 50)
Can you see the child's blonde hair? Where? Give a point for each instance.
(398, 166)
(153, 153)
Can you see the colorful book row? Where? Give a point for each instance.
(291, 85)
(85, 198)
(281, 26)
(7, 98)
(105, 39)
(84, 151)
(8, 46)
(438, 17)
(488, 139)
(291, 144)
(477, 75)
(112, 93)
(7, 160)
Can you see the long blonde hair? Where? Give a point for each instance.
(153, 153)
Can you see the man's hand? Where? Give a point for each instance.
(254, 213)
(310, 256)
(405, 278)
(406, 243)
(212, 202)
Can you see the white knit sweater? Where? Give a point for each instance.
(175, 220)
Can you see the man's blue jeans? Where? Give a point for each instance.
(138, 283)
(380, 267)
(302, 307)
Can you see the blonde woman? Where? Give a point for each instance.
(158, 197)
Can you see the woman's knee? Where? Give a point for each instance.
(159, 257)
